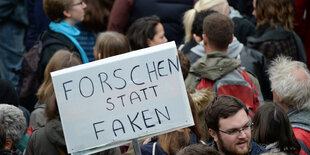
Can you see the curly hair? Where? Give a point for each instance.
(292, 90)
(14, 123)
(275, 12)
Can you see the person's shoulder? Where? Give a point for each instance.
(256, 149)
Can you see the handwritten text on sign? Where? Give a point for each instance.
(120, 98)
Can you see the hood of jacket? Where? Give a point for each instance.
(233, 50)
(299, 119)
(266, 33)
(214, 65)
(55, 133)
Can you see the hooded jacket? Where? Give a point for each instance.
(212, 66)
(45, 140)
(253, 61)
(301, 124)
(273, 42)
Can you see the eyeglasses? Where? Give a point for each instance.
(246, 127)
(79, 3)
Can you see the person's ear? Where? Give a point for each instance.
(149, 42)
(100, 56)
(197, 38)
(232, 38)
(205, 39)
(67, 13)
(213, 134)
(8, 144)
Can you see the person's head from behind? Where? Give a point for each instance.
(198, 149)
(229, 124)
(2, 137)
(273, 13)
(185, 64)
(60, 60)
(218, 31)
(70, 10)
(145, 32)
(220, 6)
(272, 125)
(97, 15)
(197, 30)
(14, 123)
(290, 83)
(109, 44)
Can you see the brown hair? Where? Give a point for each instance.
(223, 106)
(110, 44)
(185, 64)
(54, 9)
(271, 124)
(174, 141)
(273, 12)
(141, 30)
(219, 30)
(198, 149)
(97, 15)
(60, 60)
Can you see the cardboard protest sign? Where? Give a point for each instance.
(108, 102)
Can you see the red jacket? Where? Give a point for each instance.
(302, 135)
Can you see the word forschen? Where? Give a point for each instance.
(133, 123)
(153, 70)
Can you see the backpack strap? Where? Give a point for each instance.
(49, 41)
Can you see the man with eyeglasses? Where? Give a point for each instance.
(230, 126)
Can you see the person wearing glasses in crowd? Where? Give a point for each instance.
(64, 14)
(230, 126)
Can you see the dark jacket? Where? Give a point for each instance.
(38, 22)
(147, 149)
(8, 152)
(256, 63)
(49, 51)
(243, 28)
(273, 42)
(170, 12)
(254, 148)
(45, 140)
(14, 10)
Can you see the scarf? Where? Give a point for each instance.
(71, 32)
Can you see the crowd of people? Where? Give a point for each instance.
(244, 63)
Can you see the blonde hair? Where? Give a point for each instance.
(111, 43)
(220, 6)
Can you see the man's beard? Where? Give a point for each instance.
(231, 149)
